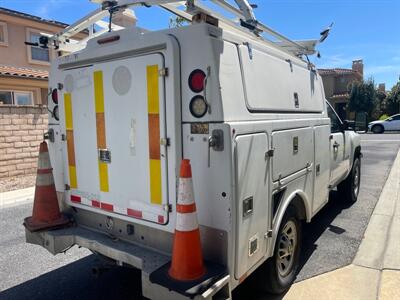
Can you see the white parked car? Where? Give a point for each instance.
(380, 126)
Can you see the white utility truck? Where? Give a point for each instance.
(128, 104)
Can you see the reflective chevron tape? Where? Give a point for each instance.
(153, 106)
(133, 213)
(100, 128)
(69, 126)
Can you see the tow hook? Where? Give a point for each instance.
(49, 135)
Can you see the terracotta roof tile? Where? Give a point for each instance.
(31, 17)
(336, 71)
(23, 72)
(343, 95)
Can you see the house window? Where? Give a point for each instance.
(6, 97)
(16, 98)
(3, 34)
(37, 54)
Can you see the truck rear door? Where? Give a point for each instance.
(113, 114)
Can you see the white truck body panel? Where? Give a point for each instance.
(281, 80)
(261, 99)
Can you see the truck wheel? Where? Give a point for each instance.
(277, 274)
(350, 187)
(377, 129)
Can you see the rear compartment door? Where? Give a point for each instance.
(113, 115)
(253, 213)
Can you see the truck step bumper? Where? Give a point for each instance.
(58, 241)
(147, 260)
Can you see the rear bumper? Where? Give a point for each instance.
(147, 260)
(58, 241)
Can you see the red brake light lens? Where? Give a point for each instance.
(54, 96)
(196, 81)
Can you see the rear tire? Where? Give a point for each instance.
(378, 129)
(350, 187)
(278, 273)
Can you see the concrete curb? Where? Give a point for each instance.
(16, 197)
(378, 235)
(375, 271)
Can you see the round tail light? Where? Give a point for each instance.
(196, 80)
(198, 106)
(54, 96)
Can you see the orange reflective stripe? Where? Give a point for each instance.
(184, 209)
(100, 127)
(69, 126)
(153, 110)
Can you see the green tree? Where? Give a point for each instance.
(392, 101)
(380, 104)
(363, 96)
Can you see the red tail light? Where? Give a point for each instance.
(196, 81)
(54, 96)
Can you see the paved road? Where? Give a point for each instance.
(28, 271)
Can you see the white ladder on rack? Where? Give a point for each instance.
(187, 9)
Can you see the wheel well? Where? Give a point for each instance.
(377, 125)
(298, 204)
(357, 152)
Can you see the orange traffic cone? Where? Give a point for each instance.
(46, 212)
(187, 259)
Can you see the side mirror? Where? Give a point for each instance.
(346, 125)
(361, 122)
(349, 125)
(390, 119)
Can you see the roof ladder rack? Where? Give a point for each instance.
(188, 9)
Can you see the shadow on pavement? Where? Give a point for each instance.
(76, 281)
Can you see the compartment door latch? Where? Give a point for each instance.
(104, 155)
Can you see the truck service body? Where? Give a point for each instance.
(265, 143)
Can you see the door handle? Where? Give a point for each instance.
(336, 144)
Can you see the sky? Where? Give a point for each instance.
(363, 29)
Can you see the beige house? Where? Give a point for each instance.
(24, 69)
(24, 72)
(336, 83)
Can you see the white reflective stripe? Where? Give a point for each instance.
(44, 179)
(186, 222)
(86, 201)
(185, 194)
(119, 210)
(44, 161)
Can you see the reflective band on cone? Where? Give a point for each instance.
(186, 222)
(46, 212)
(187, 258)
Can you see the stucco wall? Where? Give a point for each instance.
(21, 131)
(16, 52)
(343, 82)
